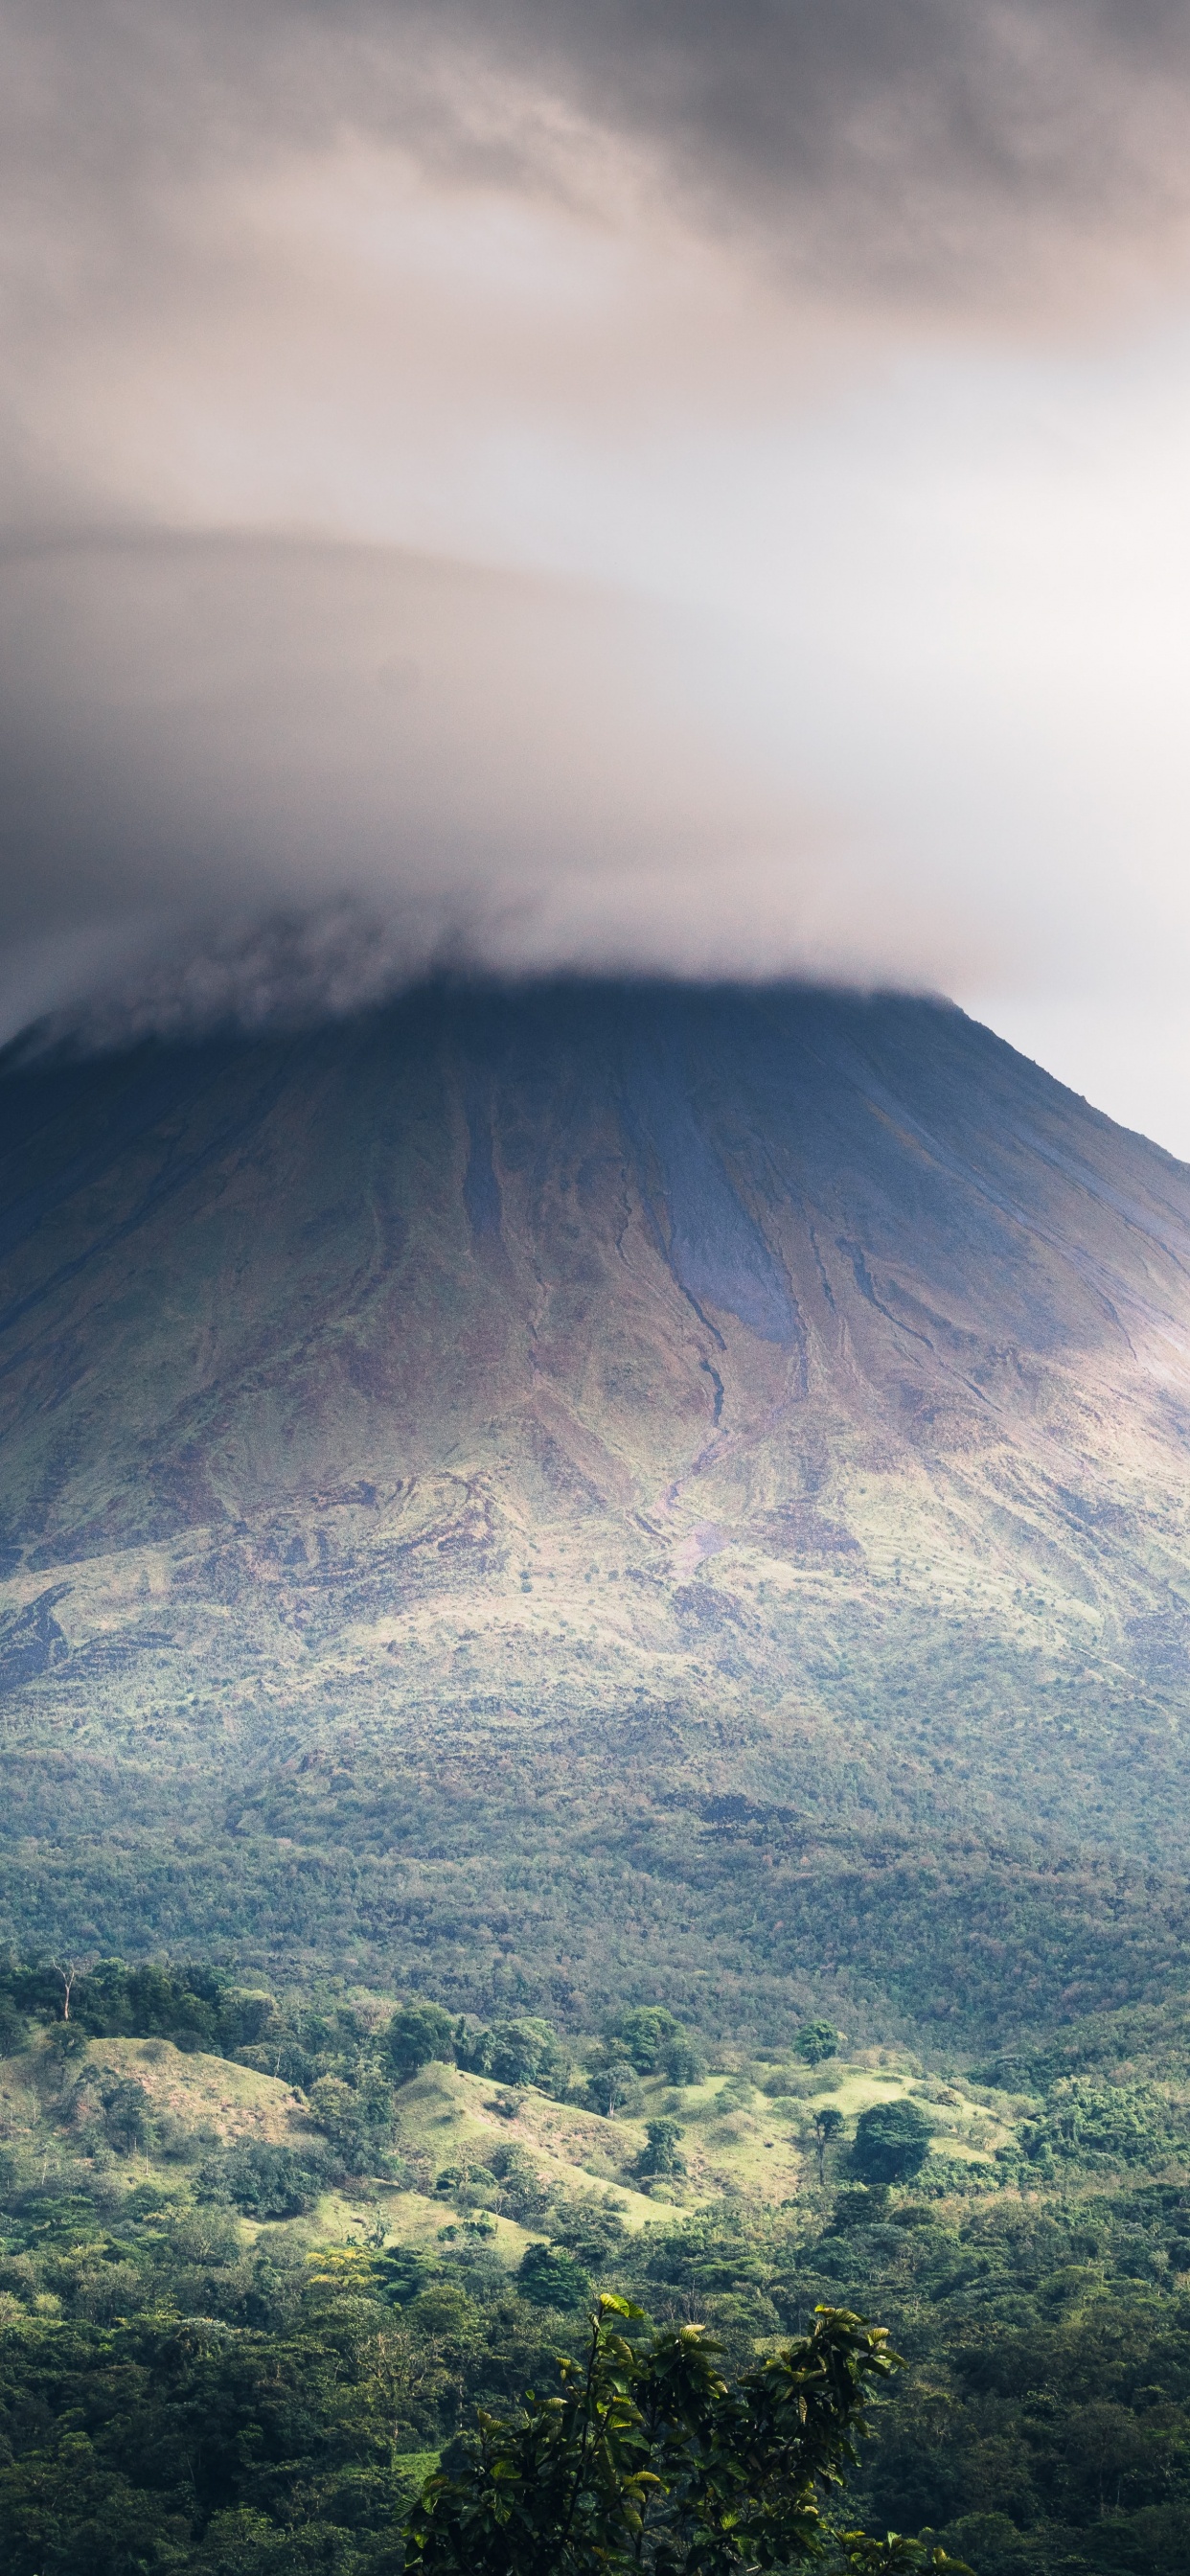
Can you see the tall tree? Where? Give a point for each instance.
(828, 2125)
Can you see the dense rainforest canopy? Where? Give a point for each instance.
(249, 2347)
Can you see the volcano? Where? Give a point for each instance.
(471, 1469)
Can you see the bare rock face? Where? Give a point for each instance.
(769, 1395)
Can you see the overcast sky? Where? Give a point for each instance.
(611, 483)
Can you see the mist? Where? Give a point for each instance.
(560, 488)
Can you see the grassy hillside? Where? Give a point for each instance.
(738, 2141)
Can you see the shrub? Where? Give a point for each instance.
(266, 2181)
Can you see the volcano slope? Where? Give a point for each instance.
(595, 1491)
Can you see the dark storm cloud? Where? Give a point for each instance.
(939, 147)
(904, 145)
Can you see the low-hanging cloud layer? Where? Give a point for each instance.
(611, 484)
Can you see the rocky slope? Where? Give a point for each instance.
(773, 1397)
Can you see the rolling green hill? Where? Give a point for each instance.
(601, 1490)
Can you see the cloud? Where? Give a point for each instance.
(512, 483)
(233, 769)
(181, 978)
(396, 271)
(937, 148)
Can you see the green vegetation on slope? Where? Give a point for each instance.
(560, 1871)
(248, 2299)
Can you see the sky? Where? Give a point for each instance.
(615, 484)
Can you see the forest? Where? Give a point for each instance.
(557, 1870)
(270, 2259)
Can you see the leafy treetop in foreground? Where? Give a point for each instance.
(649, 2459)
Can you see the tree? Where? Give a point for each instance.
(815, 2041)
(892, 2141)
(524, 2051)
(416, 2034)
(127, 2114)
(613, 2085)
(661, 2155)
(266, 2181)
(646, 2033)
(520, 2188)
(649, 2461)
(357, 2119)
(69, 1975)
(895, 2555)
(403, 2272)
(682, 2061)
(553, 2278)
(860, 2204)
(589, 2225)
(828, 2124)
